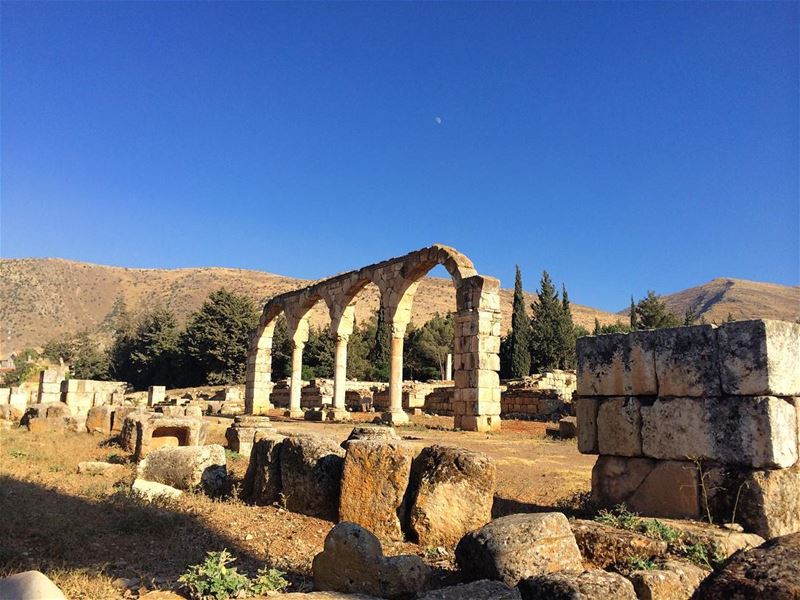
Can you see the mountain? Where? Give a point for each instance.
(47, 298)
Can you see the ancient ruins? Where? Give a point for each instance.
(476, 400)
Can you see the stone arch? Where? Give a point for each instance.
(476, 403)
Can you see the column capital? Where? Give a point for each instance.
(399, 330)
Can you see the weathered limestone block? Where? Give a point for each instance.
(46, 424)
(374, 483)
(653, 488)
(29, 585)
(120, 412)
(604, 546)
(187, 468)
(567, 428)
(451, 491)
(352, 562)
(515, 547)
(144, 432)
(99, 419)
(673, 580)
(619, 425)
(92, 467)
(589, 585)
(372, 432)
(617, 364)
(311, 473)
(483, 590)
(156, 394)
(10, 413)
(687, 361)
(152, 490)
(760, 358)
(770, 571)
(262, 482)
(586, 416)
(195, 412)
(719, 541)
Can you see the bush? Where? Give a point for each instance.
(215, 580)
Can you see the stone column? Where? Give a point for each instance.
(258, 382)
(296, 382)
(396, 415)
(449, 368)
(339, 412)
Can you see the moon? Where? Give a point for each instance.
(438, 120)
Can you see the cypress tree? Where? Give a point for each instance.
(519, 341)
(380, 352)
(634, 320)
(597, 329)
(546, 325)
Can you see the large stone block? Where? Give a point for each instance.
(574, 585)
(187, 468)
(687, 361)
(617, 364)
(262, 481)
(760, 358)
(512, 548)
(605, 546)
(99, 419)
(374, 483)
(451, 491)
(311, 473)
(619, 425)
(586, 414)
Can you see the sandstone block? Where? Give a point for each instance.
(770, 571)
(512, 548)
(262, 482)
(483, 590)
(451, 491)
(99, 419)
(604, 546)
(311, 472)
(687, 361)
(187, 468)
(617, 364)
(374, 483)
(586, 420)
(588, 585)
(619, 425)
(760, 358)
(672, 581)
(352, 562)
(46, 424)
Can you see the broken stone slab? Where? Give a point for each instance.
(672, 580)
(771, 570)
(760, 358)
(721, 542)
(29, 585)
(451, 493)
(187, 468)
(92, 467)
(374, 482)
(687, 361)
(262, 481)
(605, 546)
(619, 424)
(352, 561)
(617, 364)
(512, 548)
(586, 585)
(371, 432)
(152, 490)
(483, 589)
(311, 473)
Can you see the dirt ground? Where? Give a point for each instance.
(88, 533)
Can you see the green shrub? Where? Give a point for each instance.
(214, 579)
(661, 531)
(269, 580)
(636, 563)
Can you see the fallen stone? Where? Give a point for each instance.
(262, 481)
(29, 585)
(483, 590)
(372, 432)
(451, 491)
(352, 561)
(605, 546)
(187, 468)
(588, 585)
(770, 571)
(673, 581)
(515, 547)
(567, 428)
(99, 468)
(311, 473)
(152, 490)
(99, 419)
(374, 482)
(721, 542)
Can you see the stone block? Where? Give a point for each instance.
(156, 394)
(605, 546)
(687, 361)
(187, 468)
(451, 492)
(760, 358)
(29, 585)
(567, 428)
(619, 427)
(153, 490)
(99, 419)
(586, 416)
(576, 585)
(374, 483)
(311, 473)
(483, 590)
(515, 547)
(262, 481)
(617, 364)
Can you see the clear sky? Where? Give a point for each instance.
(621, 146)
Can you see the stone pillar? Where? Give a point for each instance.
(258, 382)
(339, 412)
(156, 394)
(396, 415)
(449, 368)
(296, 382)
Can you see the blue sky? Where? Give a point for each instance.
(621, 146)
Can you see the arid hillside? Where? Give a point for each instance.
(739, 298)
(46, 298)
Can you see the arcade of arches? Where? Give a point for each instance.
(476, 399)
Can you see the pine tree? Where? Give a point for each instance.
(546, 327)
(651, 313)
(519, 340)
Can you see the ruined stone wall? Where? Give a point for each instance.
(414, 394)
(82, 394)
(696, 422)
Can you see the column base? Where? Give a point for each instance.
(294, 413)
(262, 409)
(482, 423)
(394, 417)
(338, 414)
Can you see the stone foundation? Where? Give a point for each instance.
(144, 432)
(696, 421)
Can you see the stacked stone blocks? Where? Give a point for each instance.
(692, 421)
